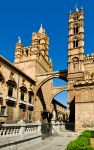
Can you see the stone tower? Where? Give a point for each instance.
(75, 55)
(41, 42)
(29, 58)
(33, 60)
(76, 41)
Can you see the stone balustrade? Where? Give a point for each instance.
(21, 128)
(15, 135)
(18, 136)
(7, 130)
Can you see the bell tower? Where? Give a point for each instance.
(41, 41)
(76, 41)
(18, 51)
(33, 59)
(75, 55)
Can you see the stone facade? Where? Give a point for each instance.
(34, 67)
(80, 74)
(34, 61)
(16, 93)
(59, 111)
(19, 81)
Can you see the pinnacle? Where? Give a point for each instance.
(76, 7)
(41, 30)
(19, 39)
(50, 60)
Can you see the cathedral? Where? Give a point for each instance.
(80, 74)
(26, 88)
(20, 97)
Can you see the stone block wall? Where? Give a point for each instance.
(84, 115)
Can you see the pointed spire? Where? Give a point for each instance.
(76, 7)
(50, 60)
(70, 12)
(51, 63)
(19, 39)
(81, 7)
(41, 25)
(41, 30)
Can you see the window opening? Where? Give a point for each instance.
(30, 98)
(2, 110)
(27, 52)
(10, 91)
(75, 43)
(75, 29)
(75, 18)
(22, 95)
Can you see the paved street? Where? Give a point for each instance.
(53, 143)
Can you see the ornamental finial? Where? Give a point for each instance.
(76, 7)
(19, 39)
(41, 30)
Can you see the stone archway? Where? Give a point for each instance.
(60, 75)
(59, 115)
(57, 90)
(39, 95)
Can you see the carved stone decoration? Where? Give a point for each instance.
(11, 77)
(23, 86)
(1, 75)
(75, 59)
(11, 81)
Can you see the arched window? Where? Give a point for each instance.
(23, 90)
(75, 17)
(10, 91)
(27, 52)
(22, 52)
(30, 94)
(75, 43)
(75, 29)
(76, 64)
(30, 98)
(11, 84)
(2, 113)
(22, 95)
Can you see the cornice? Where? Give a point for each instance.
(6, 62)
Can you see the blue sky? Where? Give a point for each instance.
(22, 17)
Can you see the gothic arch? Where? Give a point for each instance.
(76, 28)
(64, 88)
(75, 59)
(60, 75)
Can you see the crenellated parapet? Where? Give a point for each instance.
(89, 58)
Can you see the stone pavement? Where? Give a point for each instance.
(53, 143)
